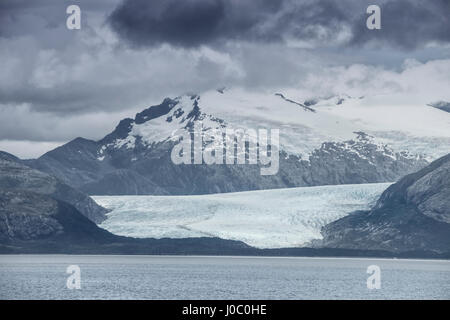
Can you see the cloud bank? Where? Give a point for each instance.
(192, 23)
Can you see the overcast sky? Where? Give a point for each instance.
(57, 84)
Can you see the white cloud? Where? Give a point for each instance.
(417, 82)
(27, 149)
(20, 122)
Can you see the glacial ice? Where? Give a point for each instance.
(265, 219)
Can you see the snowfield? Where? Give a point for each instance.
(416, 128)
(265, 219)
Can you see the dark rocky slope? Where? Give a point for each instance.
(27, 216)
(16, 176)
(412, 214)
(441, 105)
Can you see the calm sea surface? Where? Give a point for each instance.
(186, 277)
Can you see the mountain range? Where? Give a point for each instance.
(322, 142)
(409, 220)
(45, 207)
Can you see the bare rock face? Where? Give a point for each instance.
(431, 193)
(27, 216)
(16, 176)
(360, 160)
(441, 105)
(32, 220)
(411, 215)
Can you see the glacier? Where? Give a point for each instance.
(265, 219)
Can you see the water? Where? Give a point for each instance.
(182, 277)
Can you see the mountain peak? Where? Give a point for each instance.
(441, 105)
(155, 111)
(8, 156)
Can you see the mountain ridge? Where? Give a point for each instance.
(135, 157)
(413, 213)
(14, 175)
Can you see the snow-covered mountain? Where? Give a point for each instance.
(304, 125)
(332, 140)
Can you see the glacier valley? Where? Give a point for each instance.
(265, 219)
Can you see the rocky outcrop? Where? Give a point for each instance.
(441, 105)
(360, 160)
(27, 216)
(412, 214)
(16, 176)
(9, 157)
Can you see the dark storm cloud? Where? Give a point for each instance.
(184, 23)
(45, 20)
(408, 24)
(190, 23)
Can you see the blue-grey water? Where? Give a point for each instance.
(186, 277)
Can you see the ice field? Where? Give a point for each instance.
(265, 219)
